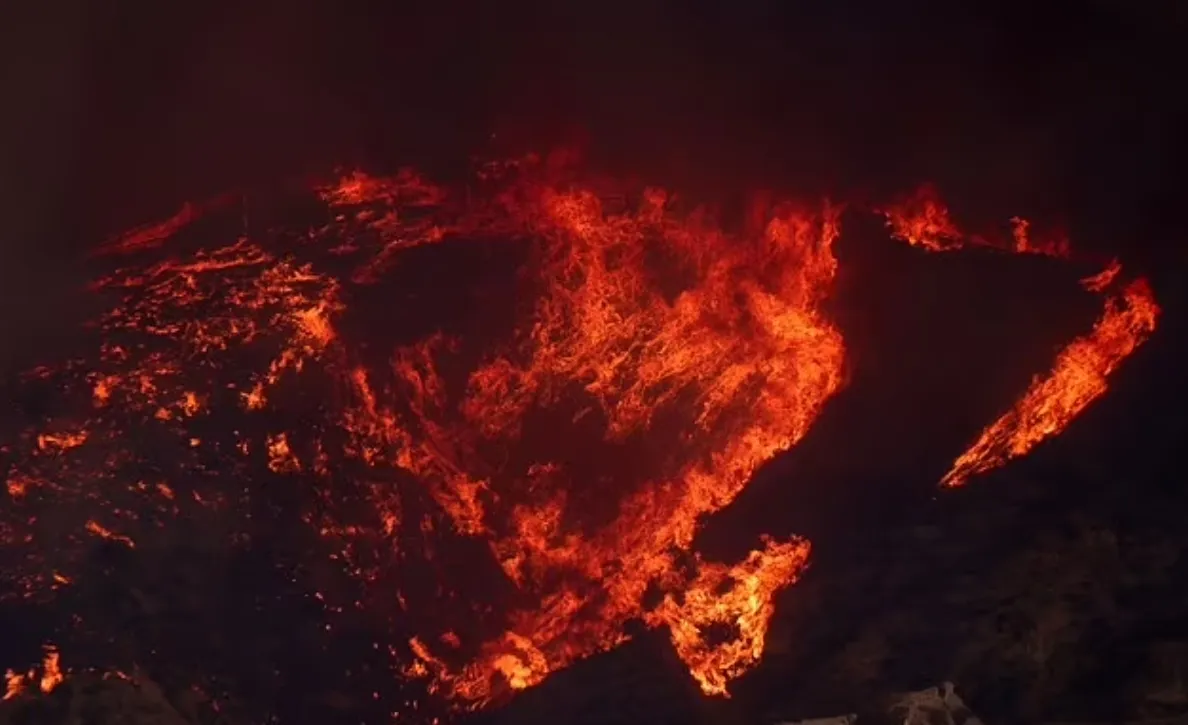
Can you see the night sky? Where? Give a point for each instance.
(116, 111)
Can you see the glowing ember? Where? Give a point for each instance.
(656, 338)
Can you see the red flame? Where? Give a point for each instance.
(695, 353)
(1079, 374)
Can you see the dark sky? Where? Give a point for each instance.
(116, 111)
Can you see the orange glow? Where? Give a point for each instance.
(1077, 378)
(51, 675)
(60, 441)
(14, 684)
(1079, 375)
(51, 670)
(104, 533)
(923, 220)
(280, 457)
(658, 360)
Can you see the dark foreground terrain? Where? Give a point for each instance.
(1042, 603)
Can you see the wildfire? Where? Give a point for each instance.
(1079, 374)
(653, 338)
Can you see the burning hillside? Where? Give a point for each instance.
(510, 489)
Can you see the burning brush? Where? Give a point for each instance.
(229, 385)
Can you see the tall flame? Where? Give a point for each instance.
(741, 354)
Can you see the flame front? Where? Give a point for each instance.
(1079, 374)
(740, 355)
(660, 361)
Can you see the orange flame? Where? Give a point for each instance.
(14, 684)
(1079, 374)
(679, 356)
(17, 683)
(1077, 379)
(51, 670)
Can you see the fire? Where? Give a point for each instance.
(105, 533)
(656, 362)
(60, 441)
(1077, 379)
(280, 456)
(51, 671)
(51, 675)
(1079, 375)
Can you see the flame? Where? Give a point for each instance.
(51, 670)
(1077, 378)
(150, 236)
(60, 441)
(1079, 375)
(14, 684)
(17, 683)
(103, 532)
(657, 362)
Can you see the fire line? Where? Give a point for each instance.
(701, 380)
